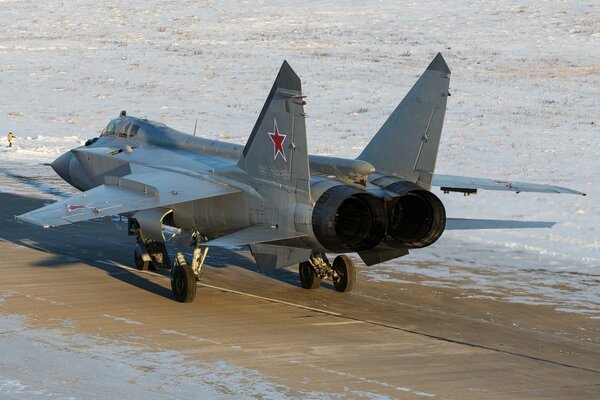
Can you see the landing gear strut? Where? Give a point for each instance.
(150, 254)
(318, 267)
(184, 276)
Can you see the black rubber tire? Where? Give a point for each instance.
(308, 278)
(139, 262)
(346, 274)
(183, 283)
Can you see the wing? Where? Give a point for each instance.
(469, 185)
(260, 237)
(253, 235)
(464, 224)
(143, 189)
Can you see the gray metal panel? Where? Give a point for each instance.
(466, 182)
(97, 163)
(407, 143)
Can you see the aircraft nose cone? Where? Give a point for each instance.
(61, 166)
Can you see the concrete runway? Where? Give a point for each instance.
(384, 340)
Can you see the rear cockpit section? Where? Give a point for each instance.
(128, 130)
(122, 127)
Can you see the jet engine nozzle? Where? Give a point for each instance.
(416, 218)
(346, 219)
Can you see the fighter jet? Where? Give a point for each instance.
(288, 206)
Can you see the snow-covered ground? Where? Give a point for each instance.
(524, 105)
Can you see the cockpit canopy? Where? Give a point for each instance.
(121, 127)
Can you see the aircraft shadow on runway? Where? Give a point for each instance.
(104, 244)
(36, 184)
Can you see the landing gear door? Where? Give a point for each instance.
(150, 222)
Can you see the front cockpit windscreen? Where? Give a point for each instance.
(111, 128)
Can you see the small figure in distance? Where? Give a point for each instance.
(10, 137)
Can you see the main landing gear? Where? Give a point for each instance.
(342, 272)
(185, 276)
(150, 254)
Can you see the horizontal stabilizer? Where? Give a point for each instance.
(466, 184)
(381, 254)
(467, 224)
(253, 234)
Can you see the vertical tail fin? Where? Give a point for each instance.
(276, 150)
(407, 143)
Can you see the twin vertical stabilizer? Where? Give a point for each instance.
(276, 150)
(407, 144)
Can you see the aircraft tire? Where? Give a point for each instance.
(344, 268)
(308, 278)
(183, 283)
(139, 262)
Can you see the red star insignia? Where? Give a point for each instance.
(278, 138)
(71, 208)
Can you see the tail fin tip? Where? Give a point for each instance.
(439, 64)
(287, 78)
